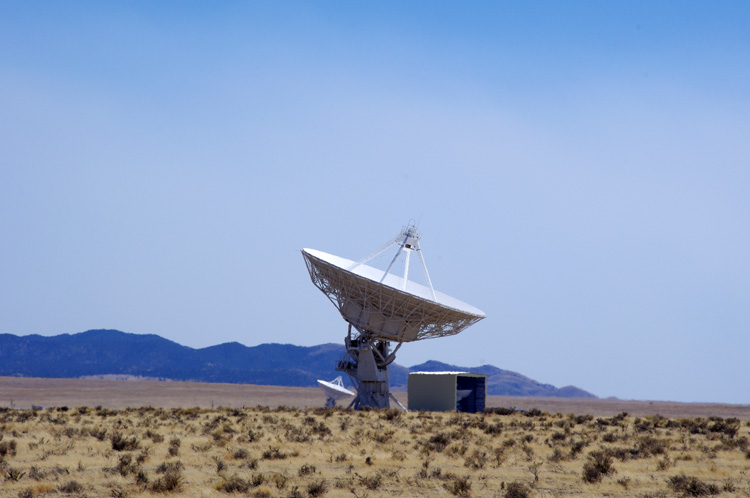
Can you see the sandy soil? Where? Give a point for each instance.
(25, 392)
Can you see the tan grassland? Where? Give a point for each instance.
(292, 452)
(287, 450)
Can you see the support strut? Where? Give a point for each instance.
(366, 363)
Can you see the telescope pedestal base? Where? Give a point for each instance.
(366, 363)
(373, 395)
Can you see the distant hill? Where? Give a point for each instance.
(110, 352)
(115, 354)
(505, 382)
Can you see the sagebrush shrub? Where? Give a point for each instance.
(122, 443)
(234, 485)
(459, 486)
(273, 453)
(71, 487)
(306, 469)
(14, 474)
(316, 489)
(438, 442)
(26, 493)
(372, 481)
(240, 454)
(691, 486)
(598, 466)
(170, 482)
(8, 448)
(517, 490)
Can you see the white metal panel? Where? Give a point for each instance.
(396, 315)
(394, 281)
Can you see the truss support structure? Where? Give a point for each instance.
(366, 362)
(382, 308)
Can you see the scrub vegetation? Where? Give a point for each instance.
(292, 452)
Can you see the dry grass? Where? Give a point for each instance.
(292, 452)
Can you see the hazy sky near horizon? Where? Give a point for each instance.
(580, 171)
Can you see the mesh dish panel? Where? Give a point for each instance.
(384, 312)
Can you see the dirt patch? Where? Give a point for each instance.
(117, 394)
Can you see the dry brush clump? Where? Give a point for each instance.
(289, 452)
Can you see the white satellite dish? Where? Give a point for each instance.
(334, 391)
(384, 307)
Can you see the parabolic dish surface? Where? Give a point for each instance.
(334, 391)
(384, 310)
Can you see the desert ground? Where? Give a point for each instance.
(317, 452)
(101, 438)
(117, 394)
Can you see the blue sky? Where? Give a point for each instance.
(579, 169)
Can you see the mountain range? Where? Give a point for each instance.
(99, 353)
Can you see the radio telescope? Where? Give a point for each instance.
(381, 308)
(334, 391)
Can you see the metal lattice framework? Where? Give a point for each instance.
(384, 312)
(384, 307)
